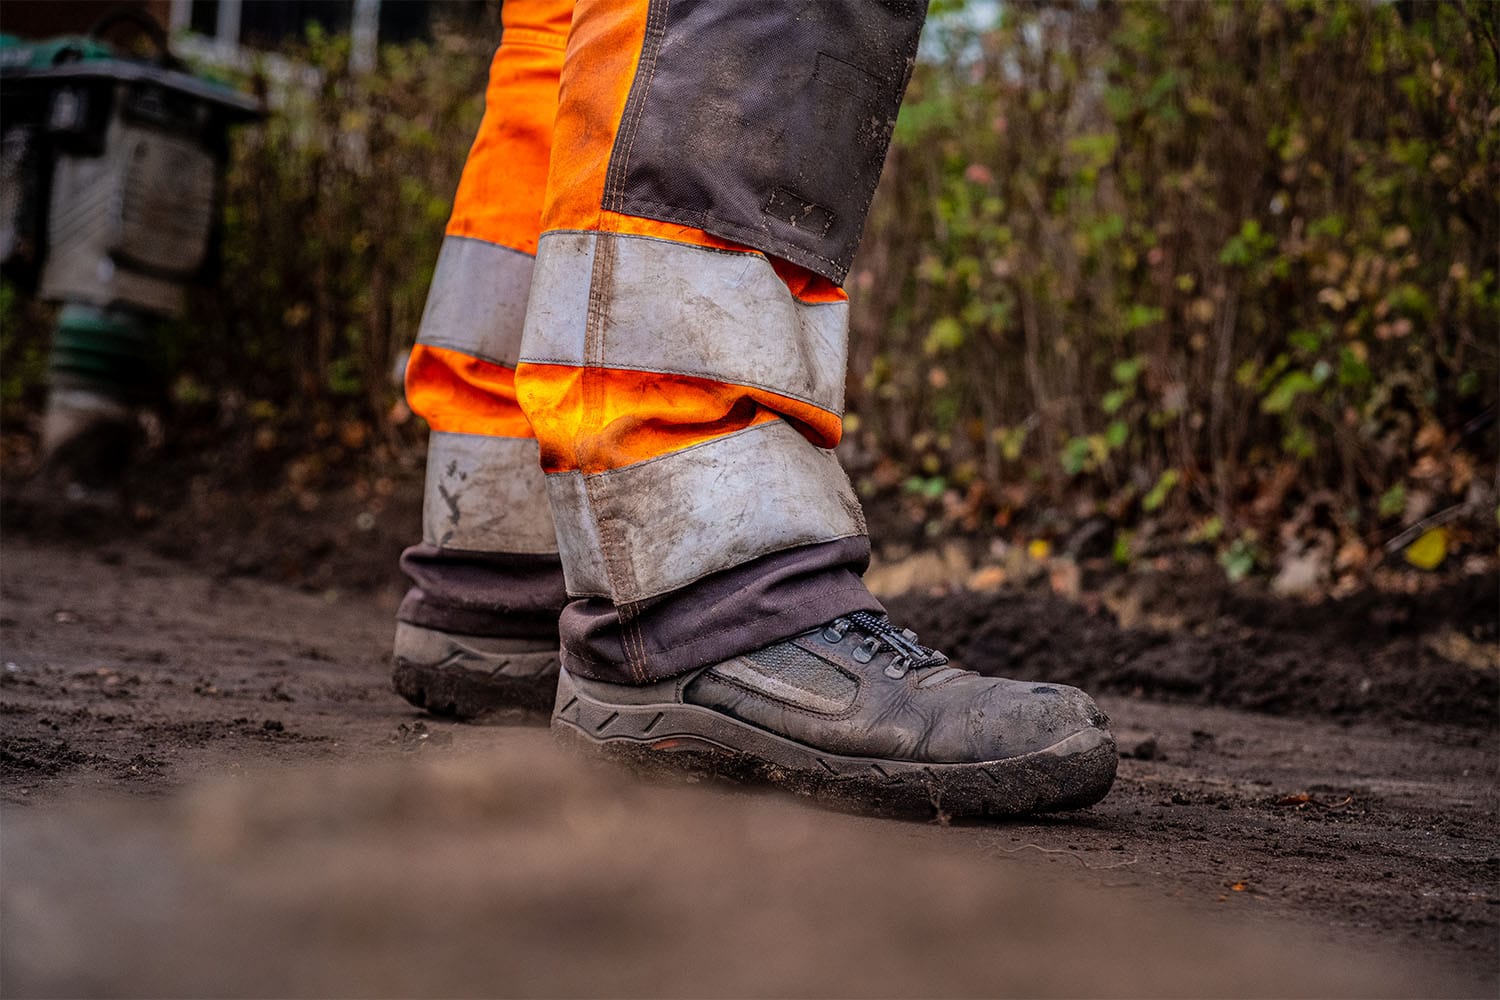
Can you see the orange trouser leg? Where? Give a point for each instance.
(461, 375)
(488, 556)
(685, 384)
(592, 418)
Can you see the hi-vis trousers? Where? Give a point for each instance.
(633, 353)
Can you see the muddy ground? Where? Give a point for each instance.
(208, 788)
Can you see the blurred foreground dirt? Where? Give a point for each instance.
(208, 790)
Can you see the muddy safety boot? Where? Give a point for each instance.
(475, 678)
(859, 715)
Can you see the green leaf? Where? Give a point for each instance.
(1127, 371)
(1238, 560)
(1285, 392)
(946, 334)
(1209, 530)
(1075, 455)
(1306, 341)
(1138, 316)
(1159, 493)
(1353, 371)
(1115, 399)
(1393, 501)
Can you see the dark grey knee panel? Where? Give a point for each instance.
(765, 122)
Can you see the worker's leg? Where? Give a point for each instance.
(684, 359)
(683, 367)
(478, 630)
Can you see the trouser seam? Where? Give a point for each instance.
(531, 38)
(635, 105)
(612, 543)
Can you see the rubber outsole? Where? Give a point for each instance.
(474, 679)
(687, 739)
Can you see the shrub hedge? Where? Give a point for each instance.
(1220, 272)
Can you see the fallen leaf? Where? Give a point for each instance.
(1429, 551)
(987, 579)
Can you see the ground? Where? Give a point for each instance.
(216, 760)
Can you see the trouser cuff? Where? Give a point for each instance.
(728, 613)
(497, 594)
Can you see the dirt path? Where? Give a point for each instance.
(123, 672)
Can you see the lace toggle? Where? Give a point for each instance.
(908, 653)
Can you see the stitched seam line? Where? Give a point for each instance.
(748, 252)
(768, 425)
(533, 38)
(531, 257)
(518, 547)
(487, 437)
(451, 551)
(720, 377)
(692, 218)
(614, 181)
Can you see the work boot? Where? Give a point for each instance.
(860, 715)
(474, 678)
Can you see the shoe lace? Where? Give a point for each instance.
(880, 633)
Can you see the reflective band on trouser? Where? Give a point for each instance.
(486, 494)
(684, 310)
(651, 528)
(477, 301)
(662, 488)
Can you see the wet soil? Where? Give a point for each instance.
(217, 760)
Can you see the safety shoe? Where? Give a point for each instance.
(860, 715)
(473, 678)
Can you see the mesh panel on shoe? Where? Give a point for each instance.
(798, 668)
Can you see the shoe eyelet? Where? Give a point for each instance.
(894, 672)
(863, 653)
(832, 636)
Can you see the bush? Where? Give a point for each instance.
(335, 212)
(1220, 273)
(1221, 268)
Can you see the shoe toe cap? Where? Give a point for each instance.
(1021, 717)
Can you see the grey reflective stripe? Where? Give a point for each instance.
(685, 310)
(477, 302)
(486, 494)
(644, 530)
(578, 541)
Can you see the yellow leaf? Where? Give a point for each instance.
(1429, 551)
(1039, 549)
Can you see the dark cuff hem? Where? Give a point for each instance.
(739, 610)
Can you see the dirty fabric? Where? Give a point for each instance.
(681, 366)
(488, 561)
(482, 593)
(764, 122)
(732, 612)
